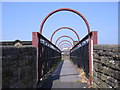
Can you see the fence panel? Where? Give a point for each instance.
(48, 54)
(82, 54)
(80, 57)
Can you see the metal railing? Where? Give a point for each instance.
(82, 54)
(47, 53)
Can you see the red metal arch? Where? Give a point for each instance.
(63, 47)
(63, 28)
(64, 9)
(62, 37)
(64, 41)
(64, 44)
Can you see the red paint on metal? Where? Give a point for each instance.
(64, 44)
(64, 41)
(35, 39)
(64, 47)
(36, 43)
(95, 37)
(62, 37)
(90, 59)
(64, 28)
(64, 9)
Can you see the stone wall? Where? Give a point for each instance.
(19, 68)
(106, 66)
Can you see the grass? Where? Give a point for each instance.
(71, 60)
(57, 62)
(78, 81)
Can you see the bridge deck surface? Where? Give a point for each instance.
(65, 76)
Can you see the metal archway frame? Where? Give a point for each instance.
(64, 41)
(64, 44)
(63, 28)
(62, 37)
(64, 9)
(63, 47)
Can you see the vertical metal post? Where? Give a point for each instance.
(90, 59)
(36, 43)
(95, 37)
(35, 39)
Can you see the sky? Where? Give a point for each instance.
(20, 19)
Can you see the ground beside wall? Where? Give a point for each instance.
(19, 68)
(106, 66)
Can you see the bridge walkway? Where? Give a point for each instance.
(65, 76)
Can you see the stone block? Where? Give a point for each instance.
(106, 63)
(19, 66)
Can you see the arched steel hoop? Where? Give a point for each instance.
(64, 9)
(64, 44)
(64, 47)
(64, 28)
(64, 41)
(62, 37)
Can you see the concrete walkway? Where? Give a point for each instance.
(65, 76)
(68, 72)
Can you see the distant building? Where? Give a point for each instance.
(15, 43)
(66, 54)
(18, 43)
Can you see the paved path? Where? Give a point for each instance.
(68, 72)
(65, 76)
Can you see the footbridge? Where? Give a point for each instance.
(63, 64)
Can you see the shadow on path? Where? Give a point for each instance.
(64, 76)
(48, 82)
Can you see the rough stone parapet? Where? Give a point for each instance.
(106, 66)
(19, 68)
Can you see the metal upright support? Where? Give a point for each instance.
(36, 43)
(93, 39)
